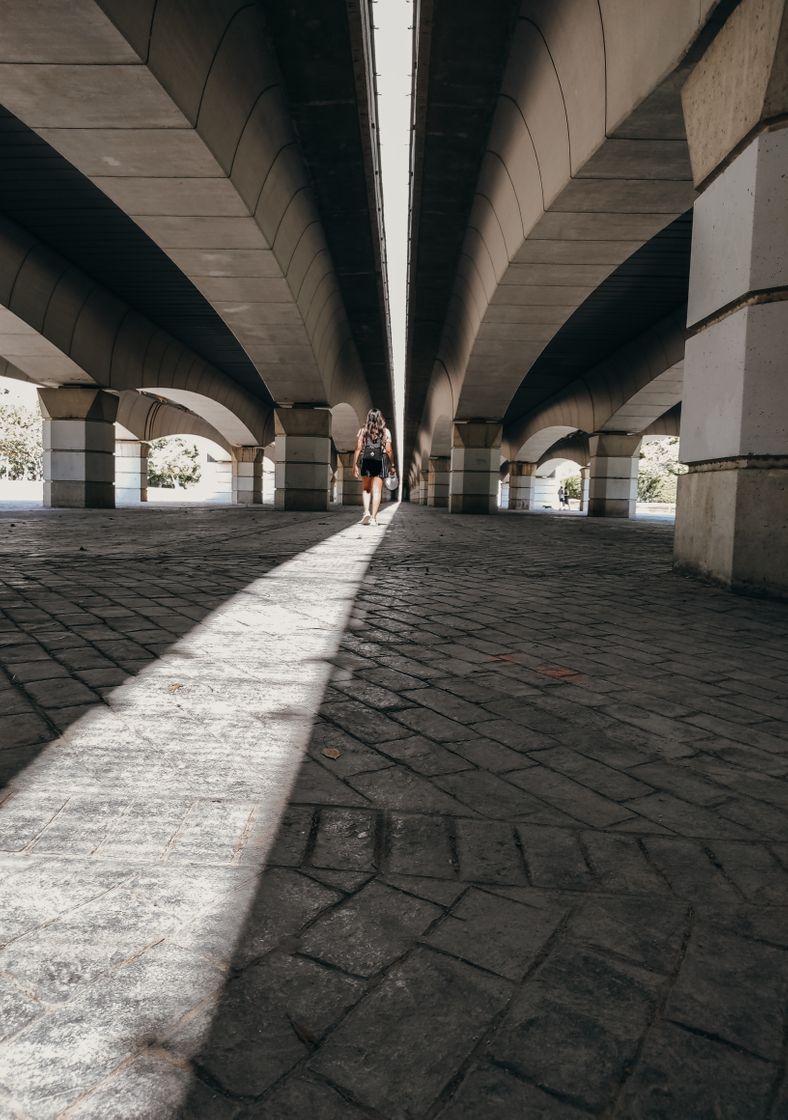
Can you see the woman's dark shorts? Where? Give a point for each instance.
(371, 468)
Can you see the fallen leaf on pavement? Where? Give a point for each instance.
(331, 752)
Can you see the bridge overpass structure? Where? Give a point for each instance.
(191, 230)
(191, 236)
(452, 817)
(598, 230)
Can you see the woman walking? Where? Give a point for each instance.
(373, 450)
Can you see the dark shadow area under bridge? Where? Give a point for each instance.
(536, 863)
(533, 861)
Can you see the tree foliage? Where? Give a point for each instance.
(659, 469)
(572, 487)
(21, 451)
(172, 462)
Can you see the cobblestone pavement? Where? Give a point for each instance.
(532, 864)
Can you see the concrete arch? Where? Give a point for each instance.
(63, 328)
(586, 161)
(533, 449)
(573, 448)
(669, 424)
(441, 436)
(548, 467)
(649, 403)
(440, 408)
(176, 112)
(147, 418)
(345, 424)
(647, 372)
(216, 415)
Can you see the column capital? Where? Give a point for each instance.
(302, 421)
(738, 85)
(614, 444)
(477, 433)
(248, 454)
(78, 402)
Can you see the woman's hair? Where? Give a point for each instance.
(375, 427)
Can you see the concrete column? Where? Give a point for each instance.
(438, 475)
(248, 475)
(544, 492)
(521, 478)
(424, 486)
(613, 481)
(348, 487)
(475, 467)
(131, 470)
(303, 458)
(503, 500)
(221, 474)
(79, 447)
(732, 506)
(584, 487)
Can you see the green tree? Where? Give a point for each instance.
(21, 451)
(172, 462)
(572, 487)
(659, 469)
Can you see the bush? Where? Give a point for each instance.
(173, 462)
(572, 487)
(21, 451)
(655, 488)
(659, 468)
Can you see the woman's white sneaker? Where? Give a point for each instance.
(365, 519)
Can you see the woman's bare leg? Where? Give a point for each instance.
(377, 492)
(365, 495)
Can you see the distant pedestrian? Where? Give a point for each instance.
(373, 451)
(563, 498)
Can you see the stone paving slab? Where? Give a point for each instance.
(462, 818)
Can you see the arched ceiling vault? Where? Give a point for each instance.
(195, 160)
(574, 239)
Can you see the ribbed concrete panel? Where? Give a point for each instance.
(178, 115)
(584, 164)
(627, 392)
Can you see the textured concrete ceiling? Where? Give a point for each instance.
(550, 222)
(462, 46)
(643, 290)
(46, 195)
(215, 167)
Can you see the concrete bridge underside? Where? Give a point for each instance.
(598, 200)
(192, 207)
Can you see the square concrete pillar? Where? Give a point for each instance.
(438, 476)
(503, 494)
(303, 458)
(220, 480)
(348, 487)
(248, 475)
(424, 486)
(585, 477)
(544, 492)
(475, 467)
(732, 505)
(131, 471)
(613, 474)
(79, 447)
(520, 484)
